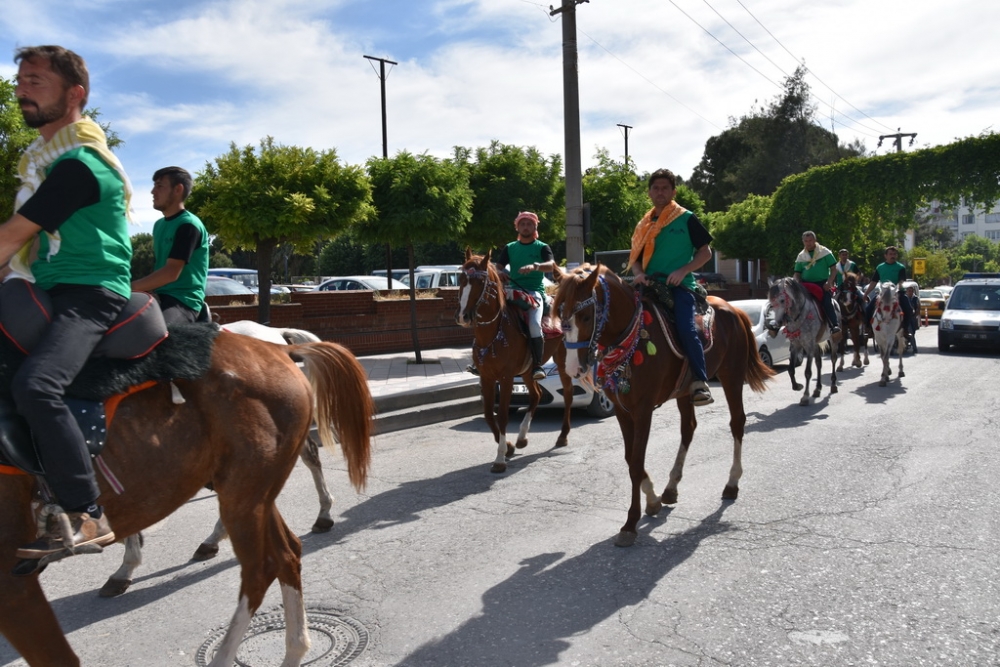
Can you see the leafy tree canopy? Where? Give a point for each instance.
(258, 199)
(506, 180)
(756, 152)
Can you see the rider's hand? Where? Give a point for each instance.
(640, 279)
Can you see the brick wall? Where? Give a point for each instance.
(366, 325)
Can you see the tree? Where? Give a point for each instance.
(258, 199)
(506, 180)
(757, 152)
(417, 198)
(15, 136)
(739, 232)
(618, 200)
(143, 258)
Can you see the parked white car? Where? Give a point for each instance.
(773, 350)
(584, 394)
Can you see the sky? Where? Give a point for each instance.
(179, 82)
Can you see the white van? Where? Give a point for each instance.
(432, 277)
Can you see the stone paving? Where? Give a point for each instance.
(399, 372)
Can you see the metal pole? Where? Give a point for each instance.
(626, 128)
(381, 77)
(571, 119)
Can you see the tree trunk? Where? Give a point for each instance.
(413, 306)
(265, 250)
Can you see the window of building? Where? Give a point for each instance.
(968, 219)
(993, 217)
(993, 235)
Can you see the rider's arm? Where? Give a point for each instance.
(14, 234)
(832, 280)
(186, 239)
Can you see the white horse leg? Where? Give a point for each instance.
(735, 471)
(310, 457)
(500, 462)
(209, 548)
(225, 655)
(653, 503)
(522, 433)
(119, 582)
(807, 370)
(297, 640)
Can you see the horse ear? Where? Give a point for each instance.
(489, 255)
(557, 273)
(468, 253)
(590, 282)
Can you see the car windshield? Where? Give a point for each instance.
(975, 297)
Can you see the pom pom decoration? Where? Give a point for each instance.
(650, 348)
(647, 317)
(637, 359)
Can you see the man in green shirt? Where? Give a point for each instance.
(845, 265)
(73, 199)
(529, 260)
(817, 265)
(180, 248)
(888, 271)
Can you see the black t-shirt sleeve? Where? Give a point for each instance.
(547, 255)
(186, 239)
(500, 258)
(69, 187)
(699, 235)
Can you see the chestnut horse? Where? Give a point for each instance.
(121, 579)
(240, 428)
(500, 352)
(807, 331)
(609, 325)
(852, 321)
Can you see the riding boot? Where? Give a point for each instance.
(537, 350)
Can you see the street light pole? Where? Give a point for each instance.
(381, 76)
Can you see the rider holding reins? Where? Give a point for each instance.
(529, 261)
(817, 265)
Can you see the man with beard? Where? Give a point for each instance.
(180, 250)
(69, 234)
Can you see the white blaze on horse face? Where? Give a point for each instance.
(570, 333)
(463, 302)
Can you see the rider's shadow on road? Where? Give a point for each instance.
(531, 617)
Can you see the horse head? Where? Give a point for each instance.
(887, 296)
(786, 296)
(478, 284)
(847, 294)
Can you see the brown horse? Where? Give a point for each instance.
(240, 427)
(500, 353)
(609, 325)
(852, 320)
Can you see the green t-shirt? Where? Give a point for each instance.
(673, 249)
(817, 271)
(189, 288)
(522, 254)
(94, 246)
(894, 273)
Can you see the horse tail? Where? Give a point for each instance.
(343, 402)
(297, 336)
(757, 372)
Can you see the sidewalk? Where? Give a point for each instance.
(398, 373)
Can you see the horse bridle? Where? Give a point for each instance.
(489, 289)
(613, 356)
(600, 320)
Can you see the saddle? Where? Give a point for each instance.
(518, 306)
(658, 298)
(815, 291)
(135, 354)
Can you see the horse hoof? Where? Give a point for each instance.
(205, 552)
(902, 374)
(833, 389)
(499, 468)
(112, 588)
(882, 383)
(322, 525)
(669, 497)
(653, 508)
(510, 450)
(562, 442)
(730, 492)
(625, 539)
(522, 443)
(866, 362)
(796, 386)
(804, 401)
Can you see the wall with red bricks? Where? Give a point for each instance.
(367, 325)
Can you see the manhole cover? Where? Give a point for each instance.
(336, 641)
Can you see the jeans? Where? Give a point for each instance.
(684, 308)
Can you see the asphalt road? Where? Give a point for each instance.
(866, 533)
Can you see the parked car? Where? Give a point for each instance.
(932, 303)
(972, 313)
(430, 278)
(221, 286)
(773, 350)
(359, 283)
(584, 395)
(246, 276)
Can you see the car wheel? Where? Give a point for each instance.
(765, 356)
(943, 344)
(600, 406)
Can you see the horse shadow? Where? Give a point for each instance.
(874, 394)
(549, 600)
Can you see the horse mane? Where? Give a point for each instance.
(577, 275)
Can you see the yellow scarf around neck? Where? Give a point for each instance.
(644, 236)
(38, 157)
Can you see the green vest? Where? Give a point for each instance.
(819, 272)
(673, 249)
(189, 288)
(522, 254)
(94, 246)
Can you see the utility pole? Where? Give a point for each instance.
(381, 76)
(571, 121)
(626, 128)
(385, 154)
(898, 139)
